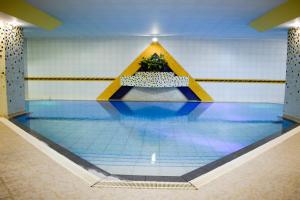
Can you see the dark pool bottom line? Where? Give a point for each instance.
(184, 178)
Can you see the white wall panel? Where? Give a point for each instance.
(245, 92)
(82, 57)
(108, 57)
(65, 90)
(221, 92)
(253, 59)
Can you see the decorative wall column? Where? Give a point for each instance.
(292, 90)
(11, 71)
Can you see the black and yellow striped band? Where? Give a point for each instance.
(112, 79)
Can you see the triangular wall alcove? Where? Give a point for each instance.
(194, 90)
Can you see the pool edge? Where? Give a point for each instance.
(68, 164)
(197, 182)
(291, 118)
(235, 163)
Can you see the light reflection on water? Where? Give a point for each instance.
(152, 138)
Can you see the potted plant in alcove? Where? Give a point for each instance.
(155, 63)
(154, 72)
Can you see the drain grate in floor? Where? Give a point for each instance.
(145, 185)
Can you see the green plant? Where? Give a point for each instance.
(155, 63)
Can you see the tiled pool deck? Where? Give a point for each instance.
(27, 173)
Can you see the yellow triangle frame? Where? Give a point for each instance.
(154, 47)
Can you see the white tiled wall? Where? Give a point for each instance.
(64, 90)
(108, 57)
(245, 92)
(254, 59)
(82, 57)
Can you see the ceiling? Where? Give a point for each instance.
(192, 18)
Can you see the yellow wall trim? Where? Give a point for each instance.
(277, 16)
(26, 12)
(240, 80)
(213, 80)
(69, 79)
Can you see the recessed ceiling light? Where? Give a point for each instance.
(154, 39)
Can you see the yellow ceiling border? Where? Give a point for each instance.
(277, 16)
(157, 48)
(28, 13)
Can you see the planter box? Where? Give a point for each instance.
(155, 79)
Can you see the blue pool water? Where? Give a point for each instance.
(152, 138)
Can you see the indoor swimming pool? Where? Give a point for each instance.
(153, 140)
